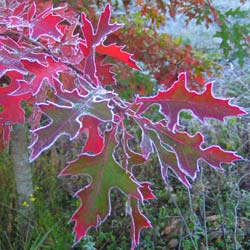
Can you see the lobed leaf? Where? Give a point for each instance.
(44, 24)
(105, 174)
(178, 98)
(138, 222)
(94, 42)
(42, 74)
(10, 61)
(187, 150)
(66, 119)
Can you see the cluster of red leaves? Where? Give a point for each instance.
(163, 57)
(46, 49)
(159, 52)
(200, 10)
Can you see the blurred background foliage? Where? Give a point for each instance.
(210, 42)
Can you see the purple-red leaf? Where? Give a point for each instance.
(22, 52)
(45, 24)
(41, 74)
(138, 222)
(93, 41)
(10, 61)
(178, 97)
(187, 150)
(66, 119)
(104, 26)
(61, 123)
(105, 174)
(167, 159)
(129, 157)
(104, 72)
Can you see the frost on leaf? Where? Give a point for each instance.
(22, 52)
(130, 158)
(10, 61)
(105, 174)
(41, 74)
(181, 152)
(95, 141)
(138, 222)
(65, 119)
(45, 24)
(117, 52)
(94, 42)
(179, 97)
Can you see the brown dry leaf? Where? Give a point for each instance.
(173, 243)
(212, 218)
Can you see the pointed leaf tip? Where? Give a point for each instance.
(215, 156)
(105, 174)
(179, 97)
(117, 52)
(138, 222)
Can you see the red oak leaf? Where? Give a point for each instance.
(12, 112)
(67, 50)
(22, 52)
(87, 49)
(45, 24)
(104, 73)
(105, 174)
(167, 159)
(104, 26)
(178, 97)
(139, 221)
(116, 52)
(10, 61)
(14, 17)
(187, 150)
(92, 40)
(95, 140)
(146, 191)
(41, 74)
(65, 119)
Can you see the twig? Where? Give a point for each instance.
(236, 243)
(204, 207)
(8, 240)
(238, 183)
(222, 221)
(182, 217)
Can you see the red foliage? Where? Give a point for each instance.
(57, 69)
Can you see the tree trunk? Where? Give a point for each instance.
(22, 175)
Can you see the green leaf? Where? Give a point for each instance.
(105, 174)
